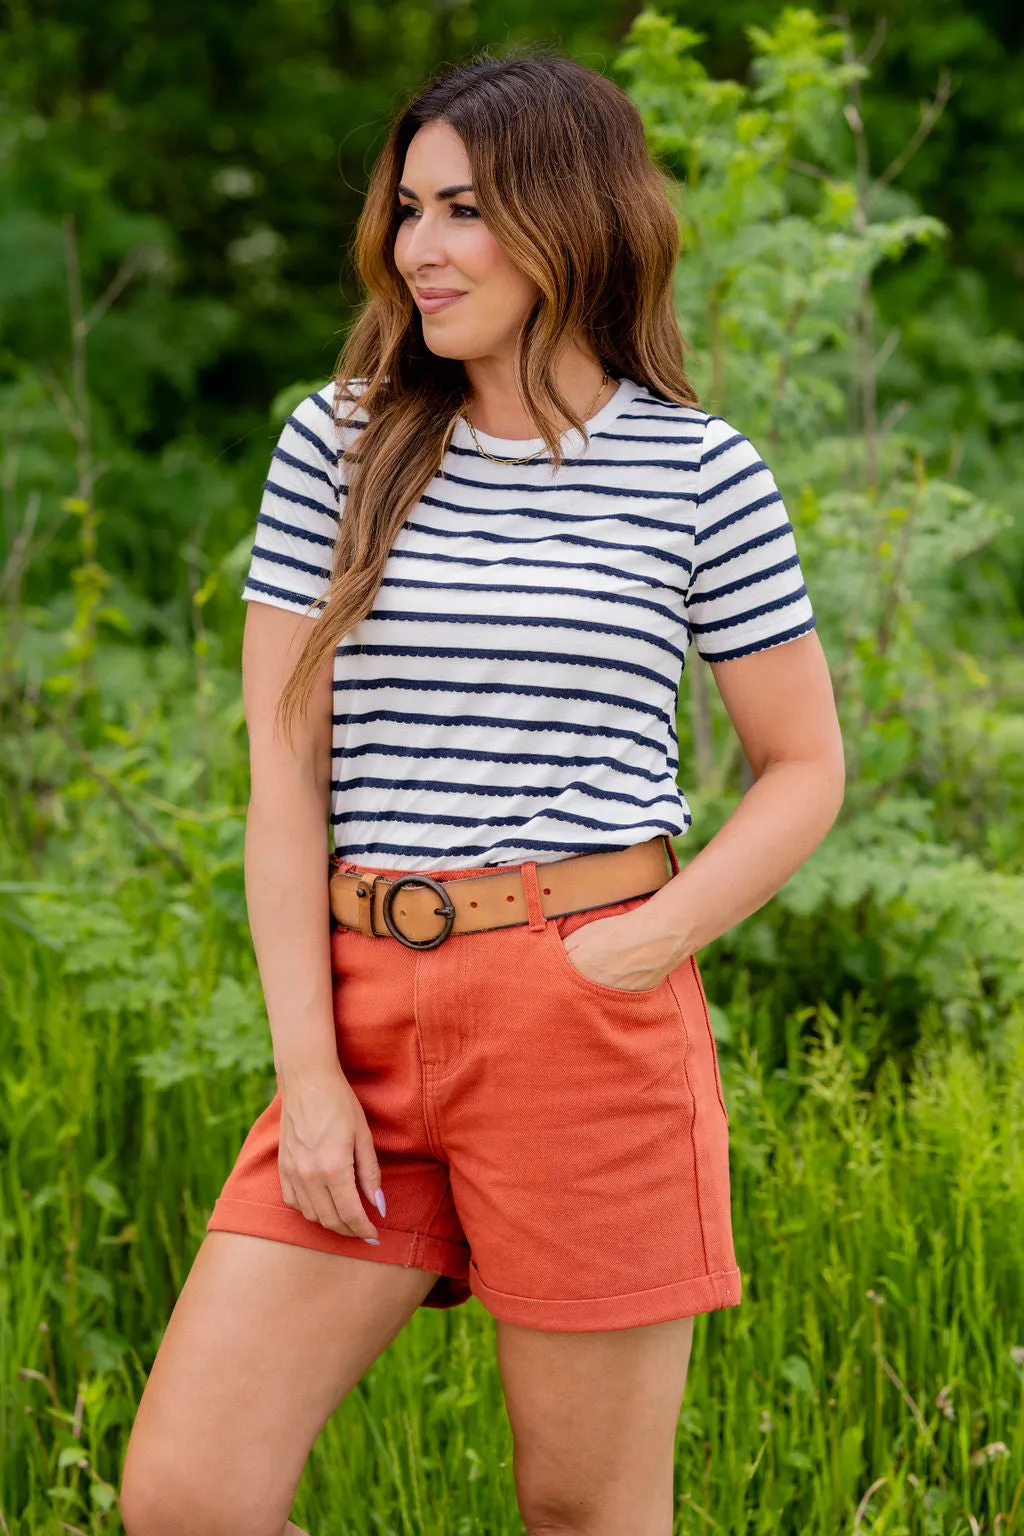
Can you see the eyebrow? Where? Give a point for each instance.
(440, 195)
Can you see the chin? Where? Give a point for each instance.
(452, 350)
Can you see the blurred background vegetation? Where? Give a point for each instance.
(179, 188)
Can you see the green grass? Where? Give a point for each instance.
(871, 1380)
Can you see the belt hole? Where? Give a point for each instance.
(547, 890)
(472, 903)
(510, 898)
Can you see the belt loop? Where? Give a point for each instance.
(672, 855)
(531, 890)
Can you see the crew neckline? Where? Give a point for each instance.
(518, 447)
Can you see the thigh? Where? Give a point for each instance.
(265, 1340)
(593, 1419)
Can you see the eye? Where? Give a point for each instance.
(406, 208)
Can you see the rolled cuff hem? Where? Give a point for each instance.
(287, 1225)
(683, 1298)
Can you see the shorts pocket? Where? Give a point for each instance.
(557, 929)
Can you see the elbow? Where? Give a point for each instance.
(817, 783)
(289, 791)
(834, 776)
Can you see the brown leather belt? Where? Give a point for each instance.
(489, 898)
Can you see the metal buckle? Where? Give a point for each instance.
(446, 910)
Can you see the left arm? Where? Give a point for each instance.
(781, 703)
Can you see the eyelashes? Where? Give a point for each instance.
(406, 208)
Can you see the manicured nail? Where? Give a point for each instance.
(378, 1195)
(374, 1240)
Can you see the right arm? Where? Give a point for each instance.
(325, 1143)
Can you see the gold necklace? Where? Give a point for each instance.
(526, 459)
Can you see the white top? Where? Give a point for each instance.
(512, 694)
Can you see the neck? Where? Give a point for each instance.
(493, 405)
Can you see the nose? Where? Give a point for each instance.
(423, 245)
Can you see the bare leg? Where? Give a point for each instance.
(593, 1419)
(264, 1342)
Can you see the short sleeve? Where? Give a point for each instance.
(297, 523)
(746, 589)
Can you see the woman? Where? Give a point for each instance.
(481, 555)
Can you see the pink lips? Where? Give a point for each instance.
(430, 303)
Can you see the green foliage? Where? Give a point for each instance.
(966, 168)
(784, 233)
(875, 1363)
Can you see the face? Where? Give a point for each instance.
(443, 243)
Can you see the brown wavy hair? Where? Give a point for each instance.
(566, 184)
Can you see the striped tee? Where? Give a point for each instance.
(512, 694)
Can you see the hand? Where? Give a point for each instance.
(325, 1142)
(620, 952)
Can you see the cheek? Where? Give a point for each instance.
(483, 260)
(484, 252)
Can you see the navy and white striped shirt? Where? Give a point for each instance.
(512, 694)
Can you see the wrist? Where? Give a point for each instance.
(307, 1074)
(659, 947)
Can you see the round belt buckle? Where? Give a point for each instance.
(446, 909)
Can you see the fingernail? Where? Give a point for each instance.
(374, 1240)
(378, 1196)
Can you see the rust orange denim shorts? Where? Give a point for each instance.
(552, 1145)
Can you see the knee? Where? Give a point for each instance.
(544, 1527)
(555, 1526)
(557, 1515)
(595, 1511)
(154, 1504)
(161, 1499)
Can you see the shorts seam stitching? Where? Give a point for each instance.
(434, 1213)
(711, 1034)
(693, 1121)
(426, 1072)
